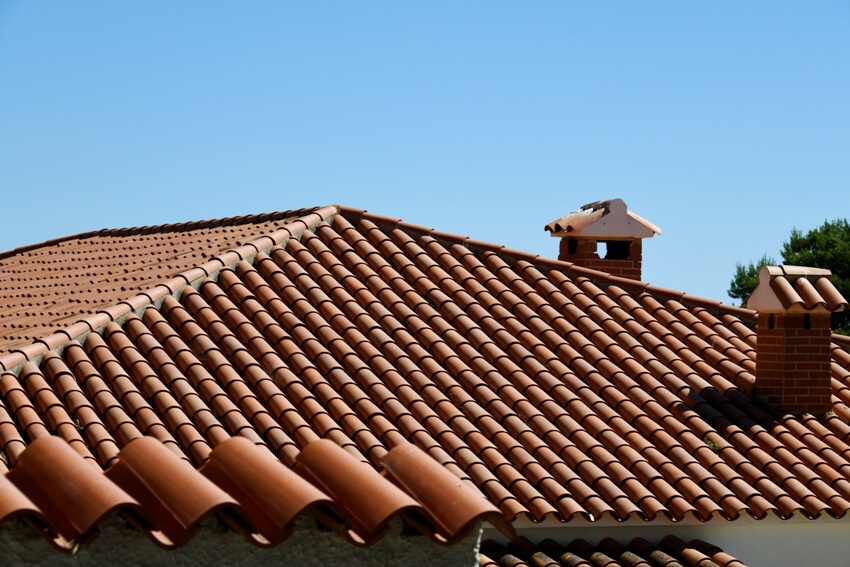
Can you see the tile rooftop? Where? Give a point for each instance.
(334, 341)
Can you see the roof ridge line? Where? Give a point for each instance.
(162, 228)
(605, 279)
(28, 247)
(599, 277)
(13, 360)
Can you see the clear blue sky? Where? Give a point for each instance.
(727, 124)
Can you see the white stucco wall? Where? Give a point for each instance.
(769, 542)
(119, 544)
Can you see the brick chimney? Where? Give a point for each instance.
(793, 350)
(611, 223)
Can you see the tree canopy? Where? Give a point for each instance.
(827, 246)
(747, 278)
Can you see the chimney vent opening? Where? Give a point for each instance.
(617, 249)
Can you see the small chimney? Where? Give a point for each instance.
(793, 350)
(611, 223)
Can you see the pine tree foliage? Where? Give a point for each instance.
(747, 278)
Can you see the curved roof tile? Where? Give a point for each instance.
(451, 503)
(272, 495)
(550, 390)
(368, 499)
(72, 495)
(170, 489)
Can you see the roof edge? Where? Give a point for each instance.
(603, 279)
(170, 227)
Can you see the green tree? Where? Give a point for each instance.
(827, 246)
(747, 278)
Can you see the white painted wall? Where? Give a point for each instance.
(758, 543)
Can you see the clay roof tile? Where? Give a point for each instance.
(554, 391)
(369, 500)
(74, 496)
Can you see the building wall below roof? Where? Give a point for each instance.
(214, 545)
(771, 541)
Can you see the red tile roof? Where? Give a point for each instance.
(553, 390)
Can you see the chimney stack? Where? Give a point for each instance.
(793, 350)
(611, 223)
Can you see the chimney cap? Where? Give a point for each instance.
(795, 288)
(603, 220)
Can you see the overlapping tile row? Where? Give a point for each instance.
(669, 552)
(553, 390)
(555, 396)
(57, 486)
(47, 287)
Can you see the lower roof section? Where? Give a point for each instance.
(770, 541)
(669, 552)
(66, 497)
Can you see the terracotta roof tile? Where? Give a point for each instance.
(70, 495)
(272, 495)
(550, 390)
(368, 500)
(169, 489)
